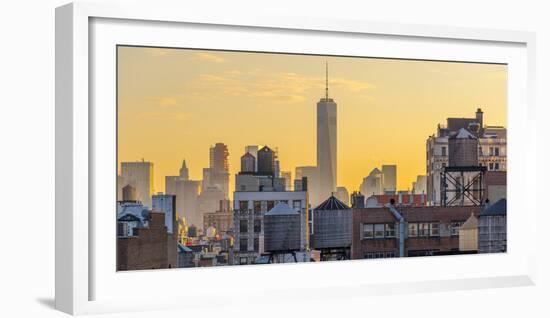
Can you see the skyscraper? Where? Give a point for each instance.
(217, 175)
(389, 178)
(140, 176)
(166, 203)
(326, 143)
(372, 184)
(184, 171)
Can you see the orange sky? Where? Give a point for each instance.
(176, 103)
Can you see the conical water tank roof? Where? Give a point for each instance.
(281, 209)
(332, 204)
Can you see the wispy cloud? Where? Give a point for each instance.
(282, 87)
(157, 52)
(209, 57)
(165, 101)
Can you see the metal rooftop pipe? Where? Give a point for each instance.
(402, 225)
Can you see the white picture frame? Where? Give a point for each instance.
(78, 160)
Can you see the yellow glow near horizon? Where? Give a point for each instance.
(173, 104)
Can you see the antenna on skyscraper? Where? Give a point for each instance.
(326, 80)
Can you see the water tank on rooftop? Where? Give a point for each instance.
(463, 149)
(129, 193)
(282, 229)
(331, 225)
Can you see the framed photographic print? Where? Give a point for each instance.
(272, 154)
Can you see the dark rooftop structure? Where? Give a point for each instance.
(332, 204)
(497, 208)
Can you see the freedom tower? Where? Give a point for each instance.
(326, 143)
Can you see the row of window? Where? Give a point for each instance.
(243, 226)
(422, 229)
(494, 166)
(257, 205)
(243, 244)
(384, 230)
(493, 151)
(371, 255)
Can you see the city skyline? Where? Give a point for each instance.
(175, 92)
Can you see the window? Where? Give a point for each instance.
(497, 151)
(491, 151)
(390, 230)
(257, 206)
(243, 245)
(372, 255)
(491, 166)
(422, 253)
(257, 226)
(379, 230)
(368, 231)
(243, 260)
(434, 229)
(270, 205)
(413, 230)
(243, 226)
(423, 229)
(243, 205)
(455, 227)
(256, 244)
(497, 166)
(297, 205)
(444, 151)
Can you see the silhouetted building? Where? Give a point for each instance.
(342, 194)
(389, 179)
(217, 175)
(326, 144)
(372, 184)
(357, 200)
(140, 176)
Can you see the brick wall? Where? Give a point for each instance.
(150, 248)
(443, 215)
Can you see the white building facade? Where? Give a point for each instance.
(491, 151)
(249, 210)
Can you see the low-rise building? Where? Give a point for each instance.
(405, 199)
(492, 228)
(399, 231)
(148, 247)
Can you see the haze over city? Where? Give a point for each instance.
(176, 103)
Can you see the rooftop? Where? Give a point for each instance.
(497, 208)
(332, 204)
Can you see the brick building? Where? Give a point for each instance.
(426, 230)
(399, 199)
(149, 247)
(495, 186)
